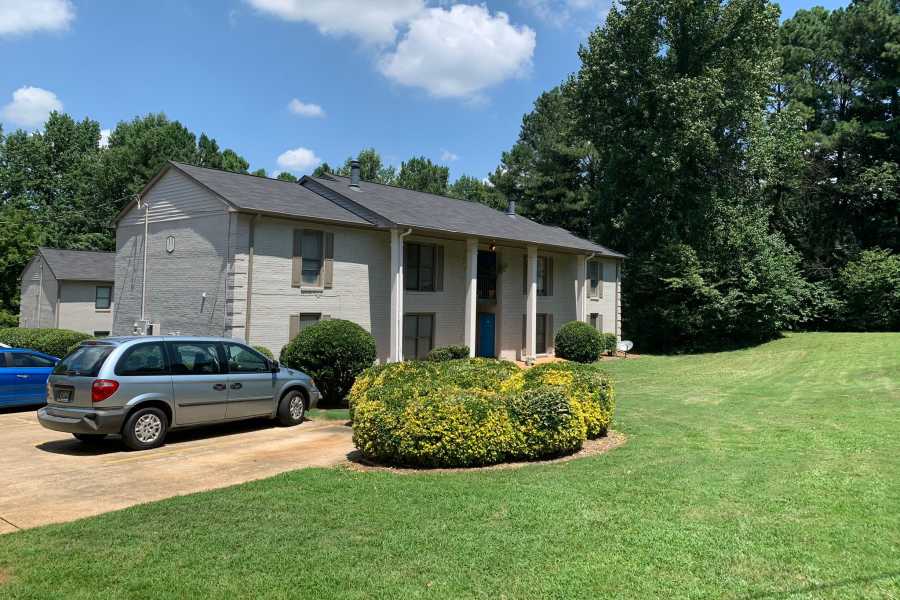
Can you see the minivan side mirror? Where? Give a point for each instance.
(274, 366)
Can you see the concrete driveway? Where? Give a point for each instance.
(49, 477)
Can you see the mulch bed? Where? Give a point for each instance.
(357, 462)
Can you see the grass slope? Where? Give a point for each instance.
(772, 472)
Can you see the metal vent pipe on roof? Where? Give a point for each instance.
(354, 174)
(511, 208)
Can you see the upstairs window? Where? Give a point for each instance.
(544, 275)
(312, 260)
(423, 267)
(595, 279)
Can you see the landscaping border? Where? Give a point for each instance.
(591, 447)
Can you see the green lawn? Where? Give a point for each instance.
(772, 472)
(328, 414)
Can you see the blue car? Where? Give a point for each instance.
(23, 376)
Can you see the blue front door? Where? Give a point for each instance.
(485, 335)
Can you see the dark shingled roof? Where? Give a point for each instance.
(263, 194)
(330, 198)
(80, 264)
(429, 211)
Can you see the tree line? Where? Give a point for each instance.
(750, 170)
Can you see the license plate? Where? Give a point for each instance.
(63, 395)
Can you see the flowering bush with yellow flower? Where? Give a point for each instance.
(474, 412)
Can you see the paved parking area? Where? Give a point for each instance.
(49, 477)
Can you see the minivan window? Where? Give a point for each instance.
(195, 358)
(85, 361)
(245, 360)
(142, 359)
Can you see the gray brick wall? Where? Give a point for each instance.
(38, 308)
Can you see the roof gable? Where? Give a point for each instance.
(81, 265)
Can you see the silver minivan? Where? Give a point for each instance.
(143, 387)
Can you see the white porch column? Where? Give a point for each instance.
(471, 292)
(531, 305)
(580, 277)
(396, 316)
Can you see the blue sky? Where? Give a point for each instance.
(409, 77)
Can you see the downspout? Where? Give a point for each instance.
(250, 252)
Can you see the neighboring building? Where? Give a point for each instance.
(259, 259)
(70, 289)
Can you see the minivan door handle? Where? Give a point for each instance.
(219, 386)
(236, 386)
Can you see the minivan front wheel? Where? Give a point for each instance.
(292, 408)
(145, 428)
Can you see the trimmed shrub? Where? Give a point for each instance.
(55, 342)
(609, 341)
(264, 351)
(578, 341)
(449, 353)
(589, 389)
(474, 412)
(333, 353)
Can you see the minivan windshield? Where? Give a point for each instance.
(85, 361)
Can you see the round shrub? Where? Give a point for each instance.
(610, 341)
(333, 353)
(449, 353)
(55, 342)
(579, 342)
(474, 412)
(264, 351)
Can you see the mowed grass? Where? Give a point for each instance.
(772, 472)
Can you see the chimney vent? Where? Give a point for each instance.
(354, 174)
(511, 208)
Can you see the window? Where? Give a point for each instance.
(597, 321)
(540, 334)
(544, 275)
(244, 360)
(543, 324)
(300, 322)
(595, 279)
(85, 361)
(25, 360)
(422, 267)
(418, 336)
(143, 359)
(102, 297)
(98, 334)
(195, 358)
(312, 258)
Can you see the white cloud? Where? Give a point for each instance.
(25, 16)
(374, 21)
(448, 156)
(298, 160)
(104, 137)
(30, 107)
(560, 12)
(305, 110)
(456, 53)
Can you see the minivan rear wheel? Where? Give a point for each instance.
(145, 428)
(292, 408)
